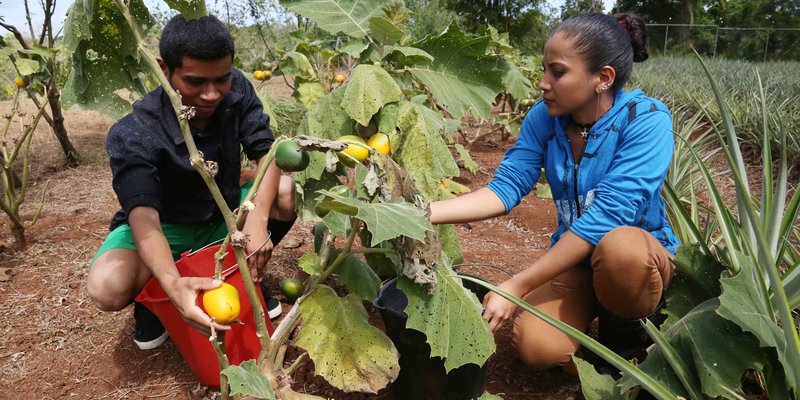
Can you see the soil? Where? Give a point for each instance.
(55, 344)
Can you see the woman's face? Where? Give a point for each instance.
(567, 86)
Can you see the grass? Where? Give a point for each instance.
(680, 82)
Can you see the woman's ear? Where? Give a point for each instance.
(605, 79)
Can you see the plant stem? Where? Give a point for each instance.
(199, 164)
(354, 225)
(217, 340)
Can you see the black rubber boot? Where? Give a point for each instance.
(625, 337)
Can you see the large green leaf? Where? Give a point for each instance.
(448, 238)
(461, 77)
(348, 16)
(297, 64)
(450, 319)
(306, 199)
(385, 31)
(385, 221)
(421, 149)
(347, 351)
(327, 119)
(309, 92)
(515, 82)
(595, 385)
(404, 55)
(742, 305)
(191, 9)
(245, 379)
(715, 350)
(370, 88)
(359, 278)
(104, 56)
(696, 280)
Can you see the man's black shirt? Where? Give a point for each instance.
(150, 161)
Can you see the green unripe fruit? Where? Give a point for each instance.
(289, 157)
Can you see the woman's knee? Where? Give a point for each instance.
(630, 271)
(542, 350)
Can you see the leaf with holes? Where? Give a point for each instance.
(347, 351)
(369, 89)
(450, 319)
(348, 16)
(462, 76)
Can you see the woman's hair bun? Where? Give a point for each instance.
(636, 30)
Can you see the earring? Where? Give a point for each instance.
(602, 88)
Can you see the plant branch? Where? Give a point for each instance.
(217, 340)
(354, 225)
(205, 171)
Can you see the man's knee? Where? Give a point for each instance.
(284, 201)
(113, 279)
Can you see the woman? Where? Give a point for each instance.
(605, 154)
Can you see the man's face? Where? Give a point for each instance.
(202, 84)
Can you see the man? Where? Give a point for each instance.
(166, 206)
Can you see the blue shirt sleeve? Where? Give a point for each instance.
(635, 176)
(523, 163)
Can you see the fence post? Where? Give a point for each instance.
(666, 35)
(716, 40)
(766, 46)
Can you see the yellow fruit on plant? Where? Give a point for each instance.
(262, 75)
(339, 78)
(222, 303)
(353, 152)
(380, 142)
(21, 82)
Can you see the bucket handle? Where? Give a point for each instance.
(227, 270)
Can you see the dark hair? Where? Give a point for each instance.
(204, 38)
(602, 40)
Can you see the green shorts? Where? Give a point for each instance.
(181, 237)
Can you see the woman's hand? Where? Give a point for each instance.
(496, 309)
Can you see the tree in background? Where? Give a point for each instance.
(742, 44)
(47, 38)
(524, 21)
(575, 7)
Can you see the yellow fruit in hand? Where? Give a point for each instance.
(353, 152)
(222, 303)
(339, 78)
(21, 82)
(380, 142)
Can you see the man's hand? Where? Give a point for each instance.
(183, 293)
(496, 309)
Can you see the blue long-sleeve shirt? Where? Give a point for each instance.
(619, 178)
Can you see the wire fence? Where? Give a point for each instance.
(754, 44)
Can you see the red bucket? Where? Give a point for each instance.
(241, 342)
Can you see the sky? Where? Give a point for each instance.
(13, 11)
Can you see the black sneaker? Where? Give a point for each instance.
(274, 309)
(148, 333)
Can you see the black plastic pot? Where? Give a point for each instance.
(421, 376)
